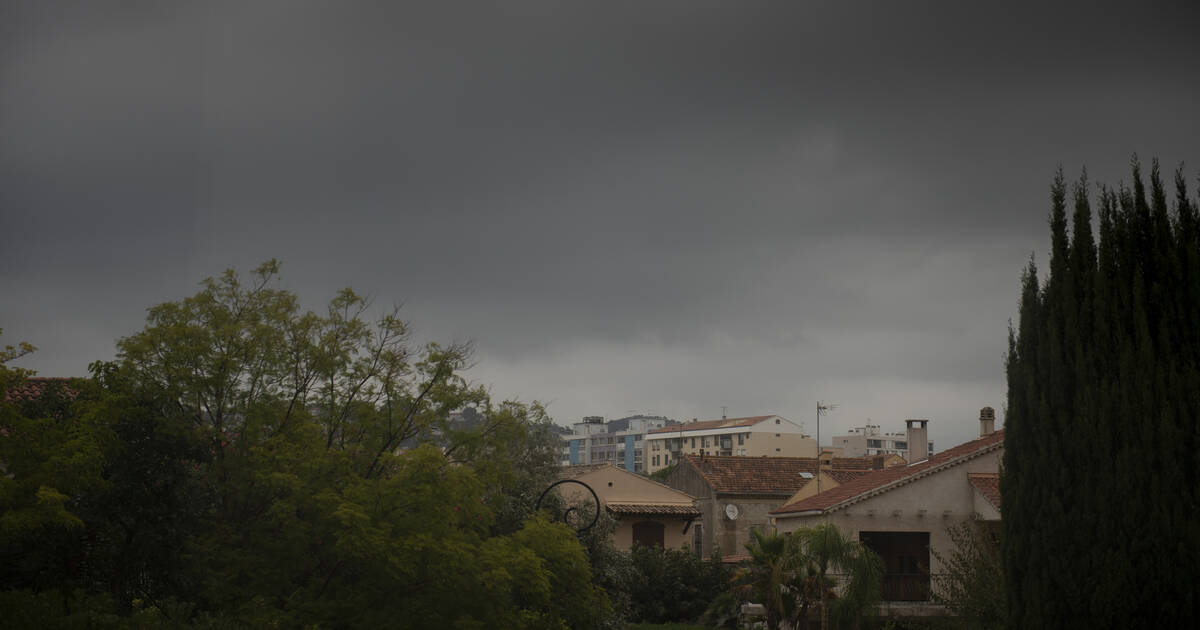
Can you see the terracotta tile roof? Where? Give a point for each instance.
(753, 475)
(653, 508)
(726, 423)
(36, 386)
(880, 480)
(846, 476)
(988, 484)
(579, 470)
(853, 463)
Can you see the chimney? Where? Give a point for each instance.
(987, 421)
(918, 440)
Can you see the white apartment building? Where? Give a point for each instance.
(621, 442)
(756, 436)
(867, 440)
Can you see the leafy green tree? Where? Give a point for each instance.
(972, 582)
(247, 463)
(674, 585)
(1101, 461)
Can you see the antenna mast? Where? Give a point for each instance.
(825, 407)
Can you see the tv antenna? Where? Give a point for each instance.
(826, 408)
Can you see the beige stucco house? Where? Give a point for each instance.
(903, 512)
(647, 512)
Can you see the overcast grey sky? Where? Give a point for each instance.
(640, 207)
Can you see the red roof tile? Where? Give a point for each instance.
(653, 508)
(988, 484)
(36, 386)
(726, 423)
(889, 477)
(854, 463)
(846, 476)
(753, 475)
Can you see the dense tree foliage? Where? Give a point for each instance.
(1101, 470)
(674, 585)
(812, 576)
(971, 584)
(244, 463)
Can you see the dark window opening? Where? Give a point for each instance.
(905, 563)
(648, 533)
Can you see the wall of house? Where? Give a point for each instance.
(614, 485)
(931, 504)
(810, 488)
(732, 536)
(773, 444)
(673, 536)
(687, 480)
(984, 508)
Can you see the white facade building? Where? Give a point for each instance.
(621, 442)
(868, 440)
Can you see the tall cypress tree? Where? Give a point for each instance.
(1101, 506)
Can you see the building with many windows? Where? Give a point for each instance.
(621, 442)
(868, 440)
(756, 436)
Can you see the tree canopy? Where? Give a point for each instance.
(246, 463)
(1101, 461)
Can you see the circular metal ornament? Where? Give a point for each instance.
(566, 515)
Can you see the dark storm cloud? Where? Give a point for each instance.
(767, 204)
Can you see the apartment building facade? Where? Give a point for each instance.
(755, 436)
(620, 442)
(868, 440)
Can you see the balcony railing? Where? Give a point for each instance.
(897, 587)
(906, 587)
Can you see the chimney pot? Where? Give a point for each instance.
(918, 440)
(987, 421)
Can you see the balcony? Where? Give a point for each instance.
(906, 587)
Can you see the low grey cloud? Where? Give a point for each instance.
(665, 207)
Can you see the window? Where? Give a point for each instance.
(704, 442)
(776, 420)
(693, 442)
(698, 540)
(776, 435)
(648, 533)
(741, 441)
(901, 445)
(874, 443)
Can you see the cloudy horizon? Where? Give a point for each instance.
(666, 208)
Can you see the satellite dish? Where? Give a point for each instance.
(731, 511)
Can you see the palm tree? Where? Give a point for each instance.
(777, 575)
(790, 574)
(830, 551)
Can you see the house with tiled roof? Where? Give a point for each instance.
(751, 436)
(903, 513)
(35, 387)
(735, 495)
(647, 512)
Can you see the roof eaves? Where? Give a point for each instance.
(798, 514)
(907, 479)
